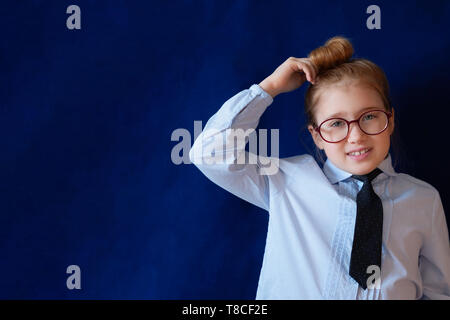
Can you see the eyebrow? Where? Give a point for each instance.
(339, 114)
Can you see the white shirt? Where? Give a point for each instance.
(312, 217)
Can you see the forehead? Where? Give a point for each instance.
(346, 101)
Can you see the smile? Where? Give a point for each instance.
(357, 153)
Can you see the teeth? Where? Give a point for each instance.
(357, 153)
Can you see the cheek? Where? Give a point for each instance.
(334, 149)
(384, 139)
(381, 144)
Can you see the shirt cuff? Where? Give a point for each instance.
(257, 90)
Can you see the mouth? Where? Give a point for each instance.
(360, 154)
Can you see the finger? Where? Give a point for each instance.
(307, 69)
(313, 69)
(316, 70)
(306, 66)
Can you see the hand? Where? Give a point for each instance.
(290, 75)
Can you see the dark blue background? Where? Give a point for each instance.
(86, 118)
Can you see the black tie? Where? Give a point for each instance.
(366, 250)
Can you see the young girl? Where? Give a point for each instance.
(354, 229)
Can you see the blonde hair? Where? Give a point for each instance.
(336, 66)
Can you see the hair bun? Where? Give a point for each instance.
(336, 51)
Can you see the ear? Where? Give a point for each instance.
(391, 123)
(316, 137)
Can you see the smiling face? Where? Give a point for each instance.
(349, 101)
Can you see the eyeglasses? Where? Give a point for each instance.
(371, 122)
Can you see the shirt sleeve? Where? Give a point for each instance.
(435, 257)
(219, 151)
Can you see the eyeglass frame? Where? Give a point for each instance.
(388, 114)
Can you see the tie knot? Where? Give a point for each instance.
(368, 177)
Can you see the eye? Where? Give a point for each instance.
(336, 123)
(369, 116)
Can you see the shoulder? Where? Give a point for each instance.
(408, 183)
(300, 172)
(304, 159)
(304, 163)
(288, 164)
(298, 167)
(293, 167)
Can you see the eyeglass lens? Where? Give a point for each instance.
(336, 129)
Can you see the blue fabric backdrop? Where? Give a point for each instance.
(87, 115)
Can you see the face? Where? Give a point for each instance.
(349, 101)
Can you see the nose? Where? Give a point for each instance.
(355, 134)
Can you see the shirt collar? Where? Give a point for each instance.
(335, 174)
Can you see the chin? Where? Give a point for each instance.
(362, 170)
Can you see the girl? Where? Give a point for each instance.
(354, 229)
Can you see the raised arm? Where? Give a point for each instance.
(219, 151)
